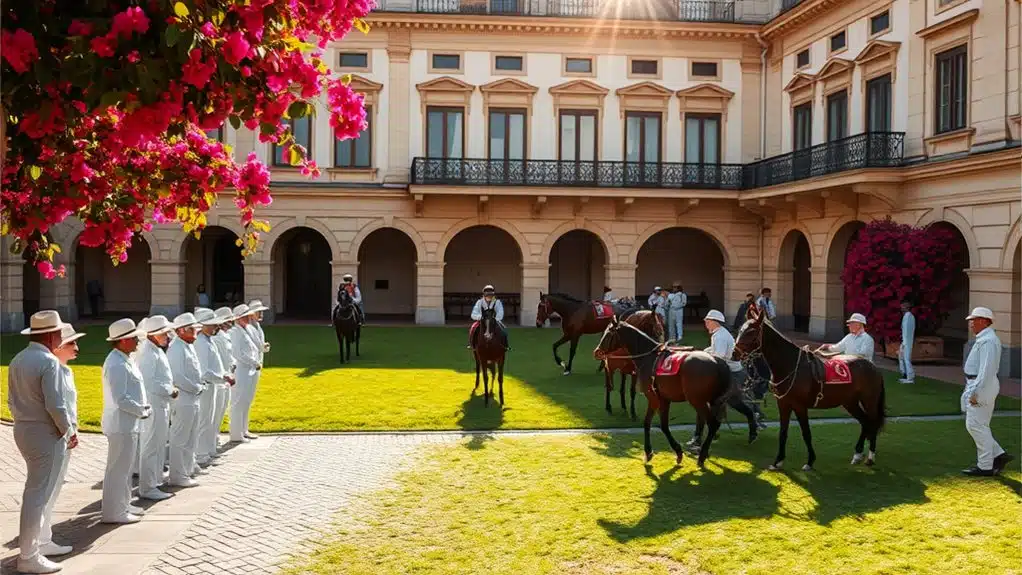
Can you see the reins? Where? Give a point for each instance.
(748, 357)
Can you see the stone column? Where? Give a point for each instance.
(168, 287)
(12, 317)
(738, 281)
(622, 278)
(429, 293)
(780, 281)
(399, 50)
(535, 278)
(259, 285)
(992, 288)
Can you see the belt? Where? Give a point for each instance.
(967, 376)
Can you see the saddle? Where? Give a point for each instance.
(830, 370)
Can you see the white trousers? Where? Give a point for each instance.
(204, 429)
(905, 361)
(241, 401)
(117, 479)
(677, 324)
(977, 423)
(153, 452)
(46, 532)
(45, 457)
(183, 432)
(223, 396)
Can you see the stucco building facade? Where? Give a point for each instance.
(565, 145)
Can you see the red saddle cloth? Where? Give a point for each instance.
(602, 310)
(670, 364)
(836, 370)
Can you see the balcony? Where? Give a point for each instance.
(869, 150)
(660, 10)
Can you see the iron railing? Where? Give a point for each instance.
(869, 150)
(662, 10)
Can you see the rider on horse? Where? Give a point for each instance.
(348, 284)
(488, 301)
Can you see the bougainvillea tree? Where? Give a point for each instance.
(107, 105)
(889, 262)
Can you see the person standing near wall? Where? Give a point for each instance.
(908, 334)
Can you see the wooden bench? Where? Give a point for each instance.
(458, 305)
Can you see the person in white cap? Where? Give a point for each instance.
(348, 284)
(247, 367)
(124, 405)
(215, 378)
(980, 395)
(857, 342)
(184, 365)
(159, 384)
(487, 302)
(44, 430)
(222, 340)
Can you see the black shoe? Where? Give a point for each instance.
(1002, 461)
(977, 472)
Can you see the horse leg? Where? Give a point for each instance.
(608, 385)
(697, 435)
(665, 426)
(634, 383)
(706, 414)
(347, 348)
(358, 338)
(476, 388)
(782, 438)
(853, 408)
(557, 344)
(500, 380)
(647, 444)
(340, 342)
(571, 356)
(624, 383)
(802, 414)
(486, 384)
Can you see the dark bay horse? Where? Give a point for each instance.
(578, 318)
(489, 351)
(346, 325)
(798, 384)
(700, 379)
(619, 361)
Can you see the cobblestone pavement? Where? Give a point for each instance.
(269, 501)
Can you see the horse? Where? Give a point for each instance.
(488, 349)
(666, 376)
(577, 319)
(799, 384)
(346, 325)
(618, 360)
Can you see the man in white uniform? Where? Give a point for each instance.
(222, 340)
(247, 364)
(654, 298)
(676, 302)
(44, 429)
(487, 302)
(184, 365)
(159, 385)
(214, 377)
(857, 342)
(255, 318)
(124, 406)
(908, 334)
(980, 395)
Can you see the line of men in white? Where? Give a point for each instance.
(175, 390)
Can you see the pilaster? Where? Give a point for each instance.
(781, 283)
(738, 281)
(827, 308)
(429, 293)
(399, 51)
(621, 277)
(12, 317)
(535, 278)
(258, 285)
(168, 287)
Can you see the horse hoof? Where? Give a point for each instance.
(647, 457)
(567, 372)
(752, 438)
(870, 462)
(702, 464)
(807, 467)
(681, 456)
(857, 459)
(776, 466)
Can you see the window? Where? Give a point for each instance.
(803, 126)
(445, 137)
(578, 65)
(702, 138)
(880, 23)
(509, 63)
(359, 60)
(645, 67)
(216, 134)
(837, 116)
(952, 89)
(802, 59)
(704, 69)
(507, 134)
(838, 41)
(357, 152)
(642, 137)
(446, 61)
(878, 104)
(578, 135)
(302, 130)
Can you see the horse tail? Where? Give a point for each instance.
(881, 415)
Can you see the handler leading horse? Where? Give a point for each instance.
(577, 319)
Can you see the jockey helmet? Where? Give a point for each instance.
(488, 290)
(347, 278)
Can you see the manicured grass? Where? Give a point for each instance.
(422, 378)
(585, 505)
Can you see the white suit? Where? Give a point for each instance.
(184, 364)
(159, 385)
(213, 372)
(908, 334)
(860, 345)
(981, 379)
(247, 361)
(44, 419)
(676, 302)
(223, 393)
(124, 405)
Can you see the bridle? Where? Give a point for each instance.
(658, 346)
(747, 358)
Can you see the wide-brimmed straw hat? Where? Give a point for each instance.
(224, 314)
(68, 334)
(45, 321)
(857, 318)
(185, 321)
(156, 325)
(241, 310)
(124, 328)
(207, 317)
(981, 313)
(256, 306)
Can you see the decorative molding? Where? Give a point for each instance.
(683, 207)
(704, 98)
(578, 94)
(950, 142)
(621, 206)
(835, 75)
(801, 88)
(801, 14)
(960, 20)
(878, 58)
(645, 96)
(420, 200)
(538, 205)
(445, 91)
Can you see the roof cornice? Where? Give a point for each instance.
(804, 12)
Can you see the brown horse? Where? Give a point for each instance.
(346, 325)
(489, 351)
(618, 360)
(799, 384)
(578, 318)
(699, 378)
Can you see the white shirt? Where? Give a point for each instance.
(210, 366)
(223, 347)
(156, 375)
(243, 348)
(124, 398)
(983, 362)
(660, 305)
(253, 333)
(677, 300)
(36, 390)
(722, 345)
(771, 311)
(860, 345)
(184, 364)
(652, 300)
(908, 328)
(477, 311)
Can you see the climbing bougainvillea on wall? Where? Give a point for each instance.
(888, 262)
(106, 105)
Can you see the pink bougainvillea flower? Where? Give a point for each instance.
(131, 20)
(18, 49)
(236, 48)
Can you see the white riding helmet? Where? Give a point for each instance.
(488, 288)
(348, 278)
(715, 316)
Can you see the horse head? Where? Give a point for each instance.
(344, 300)
(750, 336)
(544, 311)
(489, 324)
(610, 341)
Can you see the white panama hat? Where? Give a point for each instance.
(45, 321)
(156, 325)
(715, 316)
(981, 313)
(207, 317)
(241, 310)
(224, 314)
(256, 306)
(185, 321)
(68, 334)
(857, 318)
(124, 328)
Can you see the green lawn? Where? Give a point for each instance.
(422, 378)
(585, 505)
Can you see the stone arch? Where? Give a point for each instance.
(578, 262)
(794, 277)
(457, 228)
(387, 272)
(1015, 336)
(467, 268)
(213, 261)
(356, 244)
(841, 233)
(720, 239)
(955, 219)
(281, 228)
(302, 276)
(609, 246)
(777, 257)
(701, 274)
(955, 329)
(839, 238)
(126, 288)
(1011, 243)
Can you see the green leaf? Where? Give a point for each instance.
(35, 172)
(298, 110)
(180, 10)
(235, 122)
(218, 17)
(295, 157)
(172, 35)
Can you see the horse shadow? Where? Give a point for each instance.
(840, 492)
(476, 415)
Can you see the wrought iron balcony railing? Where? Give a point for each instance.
(662, 10)
(869, 150)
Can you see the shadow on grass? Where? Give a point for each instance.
(476, 416)
(845, 492)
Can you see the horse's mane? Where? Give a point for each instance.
(564, 296)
